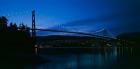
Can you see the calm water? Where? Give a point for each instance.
(107, 58)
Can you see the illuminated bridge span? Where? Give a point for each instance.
(105, 37)
(81, 33)
(105, 33)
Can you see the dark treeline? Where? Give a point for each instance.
(13, 38)
(16, 44)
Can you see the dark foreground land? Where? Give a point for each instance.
(17, 51)
(16, 46)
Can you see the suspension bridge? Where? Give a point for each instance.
(106, 36)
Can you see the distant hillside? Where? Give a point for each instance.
(132, 36)
(54, 37)
(64, 40)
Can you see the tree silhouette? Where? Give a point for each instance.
(27, 31)
(3, 23)
(13, 27)
(14, 42)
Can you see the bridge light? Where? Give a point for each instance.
(36, 49)
(108, 44)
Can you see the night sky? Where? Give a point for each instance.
(116, 16)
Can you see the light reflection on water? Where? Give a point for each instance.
(97, 60)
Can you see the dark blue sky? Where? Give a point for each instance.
(76, 15)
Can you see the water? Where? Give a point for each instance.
(107, 58)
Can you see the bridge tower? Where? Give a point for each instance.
(34, 32)
(105, 32)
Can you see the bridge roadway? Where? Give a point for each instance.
(81, 33)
